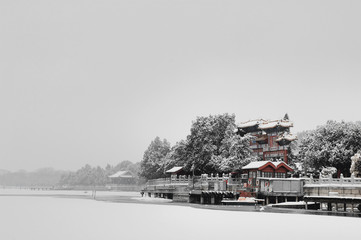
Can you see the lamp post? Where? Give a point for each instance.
(193, 175)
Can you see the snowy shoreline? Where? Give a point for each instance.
(135, 198)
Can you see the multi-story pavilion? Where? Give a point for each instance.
(272, 138)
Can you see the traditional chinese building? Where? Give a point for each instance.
(271, 138)
(122, 177)
(175, 172)
(268, 180)
(266, 169)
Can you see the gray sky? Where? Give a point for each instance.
(95, 81)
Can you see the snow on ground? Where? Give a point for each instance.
(292, 203)
(86, 193)
(151, 199)
(26, 191)
(44, 218)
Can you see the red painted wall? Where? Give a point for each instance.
(281, 170)
(268, 169)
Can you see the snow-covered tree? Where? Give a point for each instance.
(177, 156)
(205, 140)
(331, 145)
(328, 171)
(235, 153)
(213, 146)
(154, 159)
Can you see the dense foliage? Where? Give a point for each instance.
(211, 147)
(330, 145)
(154, 159)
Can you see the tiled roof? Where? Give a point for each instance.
(174, 169)
(288, 137)
(251, 123)
(259, 164)
(121, 174)
(254, 165)
(263, 124)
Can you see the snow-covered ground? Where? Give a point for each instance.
(87, 193)
(44, 218)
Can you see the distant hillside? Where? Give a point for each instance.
(41, 177)
(2, 172)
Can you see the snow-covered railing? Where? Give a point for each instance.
(187, 179)
(168, 181)
(158, 181)
(351, 180)
(214, 177)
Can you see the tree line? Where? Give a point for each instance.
(97, 176)
(45, 177)
(85, 176)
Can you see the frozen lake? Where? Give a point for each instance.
(44, 218)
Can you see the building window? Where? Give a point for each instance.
(267, 174)
(280, 175)
(273, 141)
(252, 174)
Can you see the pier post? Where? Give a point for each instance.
(276, 199)
(306, 205)
(213, 199)
(202, 199)
(329, 206)
(336, 207)
(296, 198)
(267, 200)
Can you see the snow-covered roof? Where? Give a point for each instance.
(272, 124)
(278, 163)
(261, 138)
(288, 137)
(174, 169)
(284, 123)
(265, 124)
(268, 125)
(254, 165)
(250, 123)
(259, 164)
(121, 174)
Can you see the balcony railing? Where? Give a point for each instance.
(343, 181)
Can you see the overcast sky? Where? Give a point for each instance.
(96, 81)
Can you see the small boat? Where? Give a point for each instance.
(242, 201)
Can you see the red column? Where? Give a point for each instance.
(285, 156)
